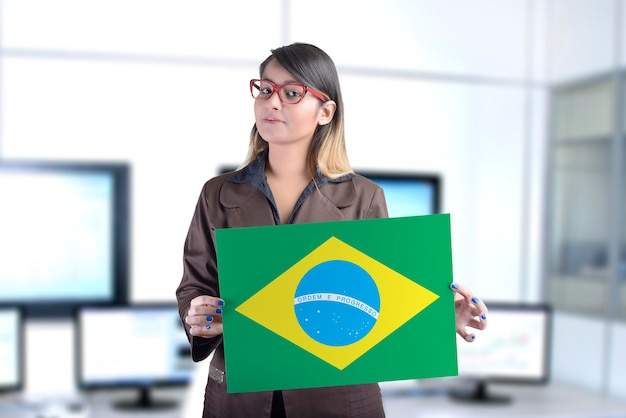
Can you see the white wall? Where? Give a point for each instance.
(450, 98)
(163, 85)
(581, 38)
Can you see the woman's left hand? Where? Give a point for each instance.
(469, 312)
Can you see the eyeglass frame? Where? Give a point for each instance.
(276, 89)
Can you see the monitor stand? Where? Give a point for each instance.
(478, 393)
(145, 401)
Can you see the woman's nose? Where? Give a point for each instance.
(274, 100)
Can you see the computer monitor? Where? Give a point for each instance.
(139, 347)
(406, 193)
(514, 348)
(11, 349)
(64, 235)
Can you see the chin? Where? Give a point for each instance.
(271, 139)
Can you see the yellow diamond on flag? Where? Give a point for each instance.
(274, 306)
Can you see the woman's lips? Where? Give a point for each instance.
(272, 120)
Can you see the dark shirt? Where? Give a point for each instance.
(255, 173)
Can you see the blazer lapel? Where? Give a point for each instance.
(245, 205)
(324, 205)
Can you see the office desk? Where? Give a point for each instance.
(548, 401)
(99, 404)
(556, 401)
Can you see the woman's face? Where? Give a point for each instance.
(284, 123)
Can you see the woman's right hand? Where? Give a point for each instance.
(205, 316)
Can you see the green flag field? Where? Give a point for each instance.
(337, 303)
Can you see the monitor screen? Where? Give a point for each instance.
(63, 235)
(514, 348)
(136, 346)
(408, 194)
(11, 349)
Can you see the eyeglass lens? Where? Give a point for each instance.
(288, 93)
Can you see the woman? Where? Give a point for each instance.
(296, 171)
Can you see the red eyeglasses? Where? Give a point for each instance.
(291, 93)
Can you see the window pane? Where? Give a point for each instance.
(586, 111)
(579, 251)
(622, 251)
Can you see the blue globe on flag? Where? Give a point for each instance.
(337, 303)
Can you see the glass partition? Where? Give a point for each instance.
(580, 199)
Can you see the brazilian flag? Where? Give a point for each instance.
(337, 303)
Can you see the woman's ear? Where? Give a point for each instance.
(326, 112)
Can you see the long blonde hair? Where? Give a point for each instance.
(313, 67)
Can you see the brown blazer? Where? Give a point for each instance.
(225, 204)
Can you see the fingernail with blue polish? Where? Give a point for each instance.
(220, 302)
(474, 299)
(208, 327)
(209, 318)
(454, 286)
(483, 317)
(473, 337)
(218, 310)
